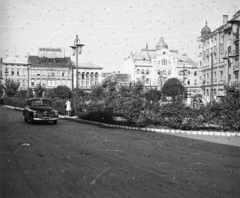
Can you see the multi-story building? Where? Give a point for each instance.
(154, 66)
(16, 68)
(50, 68)
(219, 57)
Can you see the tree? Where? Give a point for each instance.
(153, 95)
(97, 93)
(11, 87)
(62, 92)
(173, 88)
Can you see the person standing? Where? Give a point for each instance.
(68, 107)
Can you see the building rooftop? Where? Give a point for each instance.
(15, 60)
(43, 61)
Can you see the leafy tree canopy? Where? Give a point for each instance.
(11, 87)
(153, 95)
(173, 88)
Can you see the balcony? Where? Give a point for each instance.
(235, 68)
(234, 53)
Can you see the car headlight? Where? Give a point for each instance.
(34, 114)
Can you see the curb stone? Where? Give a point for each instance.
(74, 118)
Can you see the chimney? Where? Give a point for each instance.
(225, 19)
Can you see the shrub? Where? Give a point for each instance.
(21, 94)
(11, 87)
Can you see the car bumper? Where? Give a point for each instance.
(45, 119)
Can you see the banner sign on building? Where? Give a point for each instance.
(49, 52)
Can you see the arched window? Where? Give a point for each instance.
(164, 62)
(142, 71)
(96, 78)
(138, 71)
(87, 79)
(92, 79)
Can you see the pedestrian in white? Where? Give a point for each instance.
(68, 107)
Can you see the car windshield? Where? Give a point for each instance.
(41, 103)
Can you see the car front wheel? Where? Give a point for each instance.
(31, 120)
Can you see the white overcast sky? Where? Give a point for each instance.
(110, 29)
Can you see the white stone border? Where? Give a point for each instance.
(237, 134)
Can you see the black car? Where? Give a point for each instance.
(40, 109)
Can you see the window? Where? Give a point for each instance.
(18, 72)
(38, 72)
(195, 81)
(49, 83)
(195, 73)
(169, 72)
(58, 73)
(24, 82)
(53, 74)
(53, 83)
(138, 71)
(24, 72)
(38, 81)
(164, 62)
(188, 82)
(32, 72)
(44, 82)
(229, 77)
(58, 83)
(44, 73)
(189, 72)
(49, 73)
(12, 72)
(62, 73)
(159, 72)
(142, 71)
(221, 75)
(164, 72)
(147, 80)
(147, 71)
(32, 82)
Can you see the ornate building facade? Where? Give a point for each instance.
(89, 75)
(16, 68)
(154, 66)
(218, 54)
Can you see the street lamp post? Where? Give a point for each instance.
(28, 68)
(76, 49)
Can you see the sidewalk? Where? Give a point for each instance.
(227, 138)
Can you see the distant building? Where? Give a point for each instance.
(154, 66)
(50, 71)
(219, 57)
(16, 68)
(120, 79)
(89, 75)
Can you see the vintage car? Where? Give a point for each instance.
(40, 109)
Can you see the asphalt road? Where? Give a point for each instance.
(79, 160)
